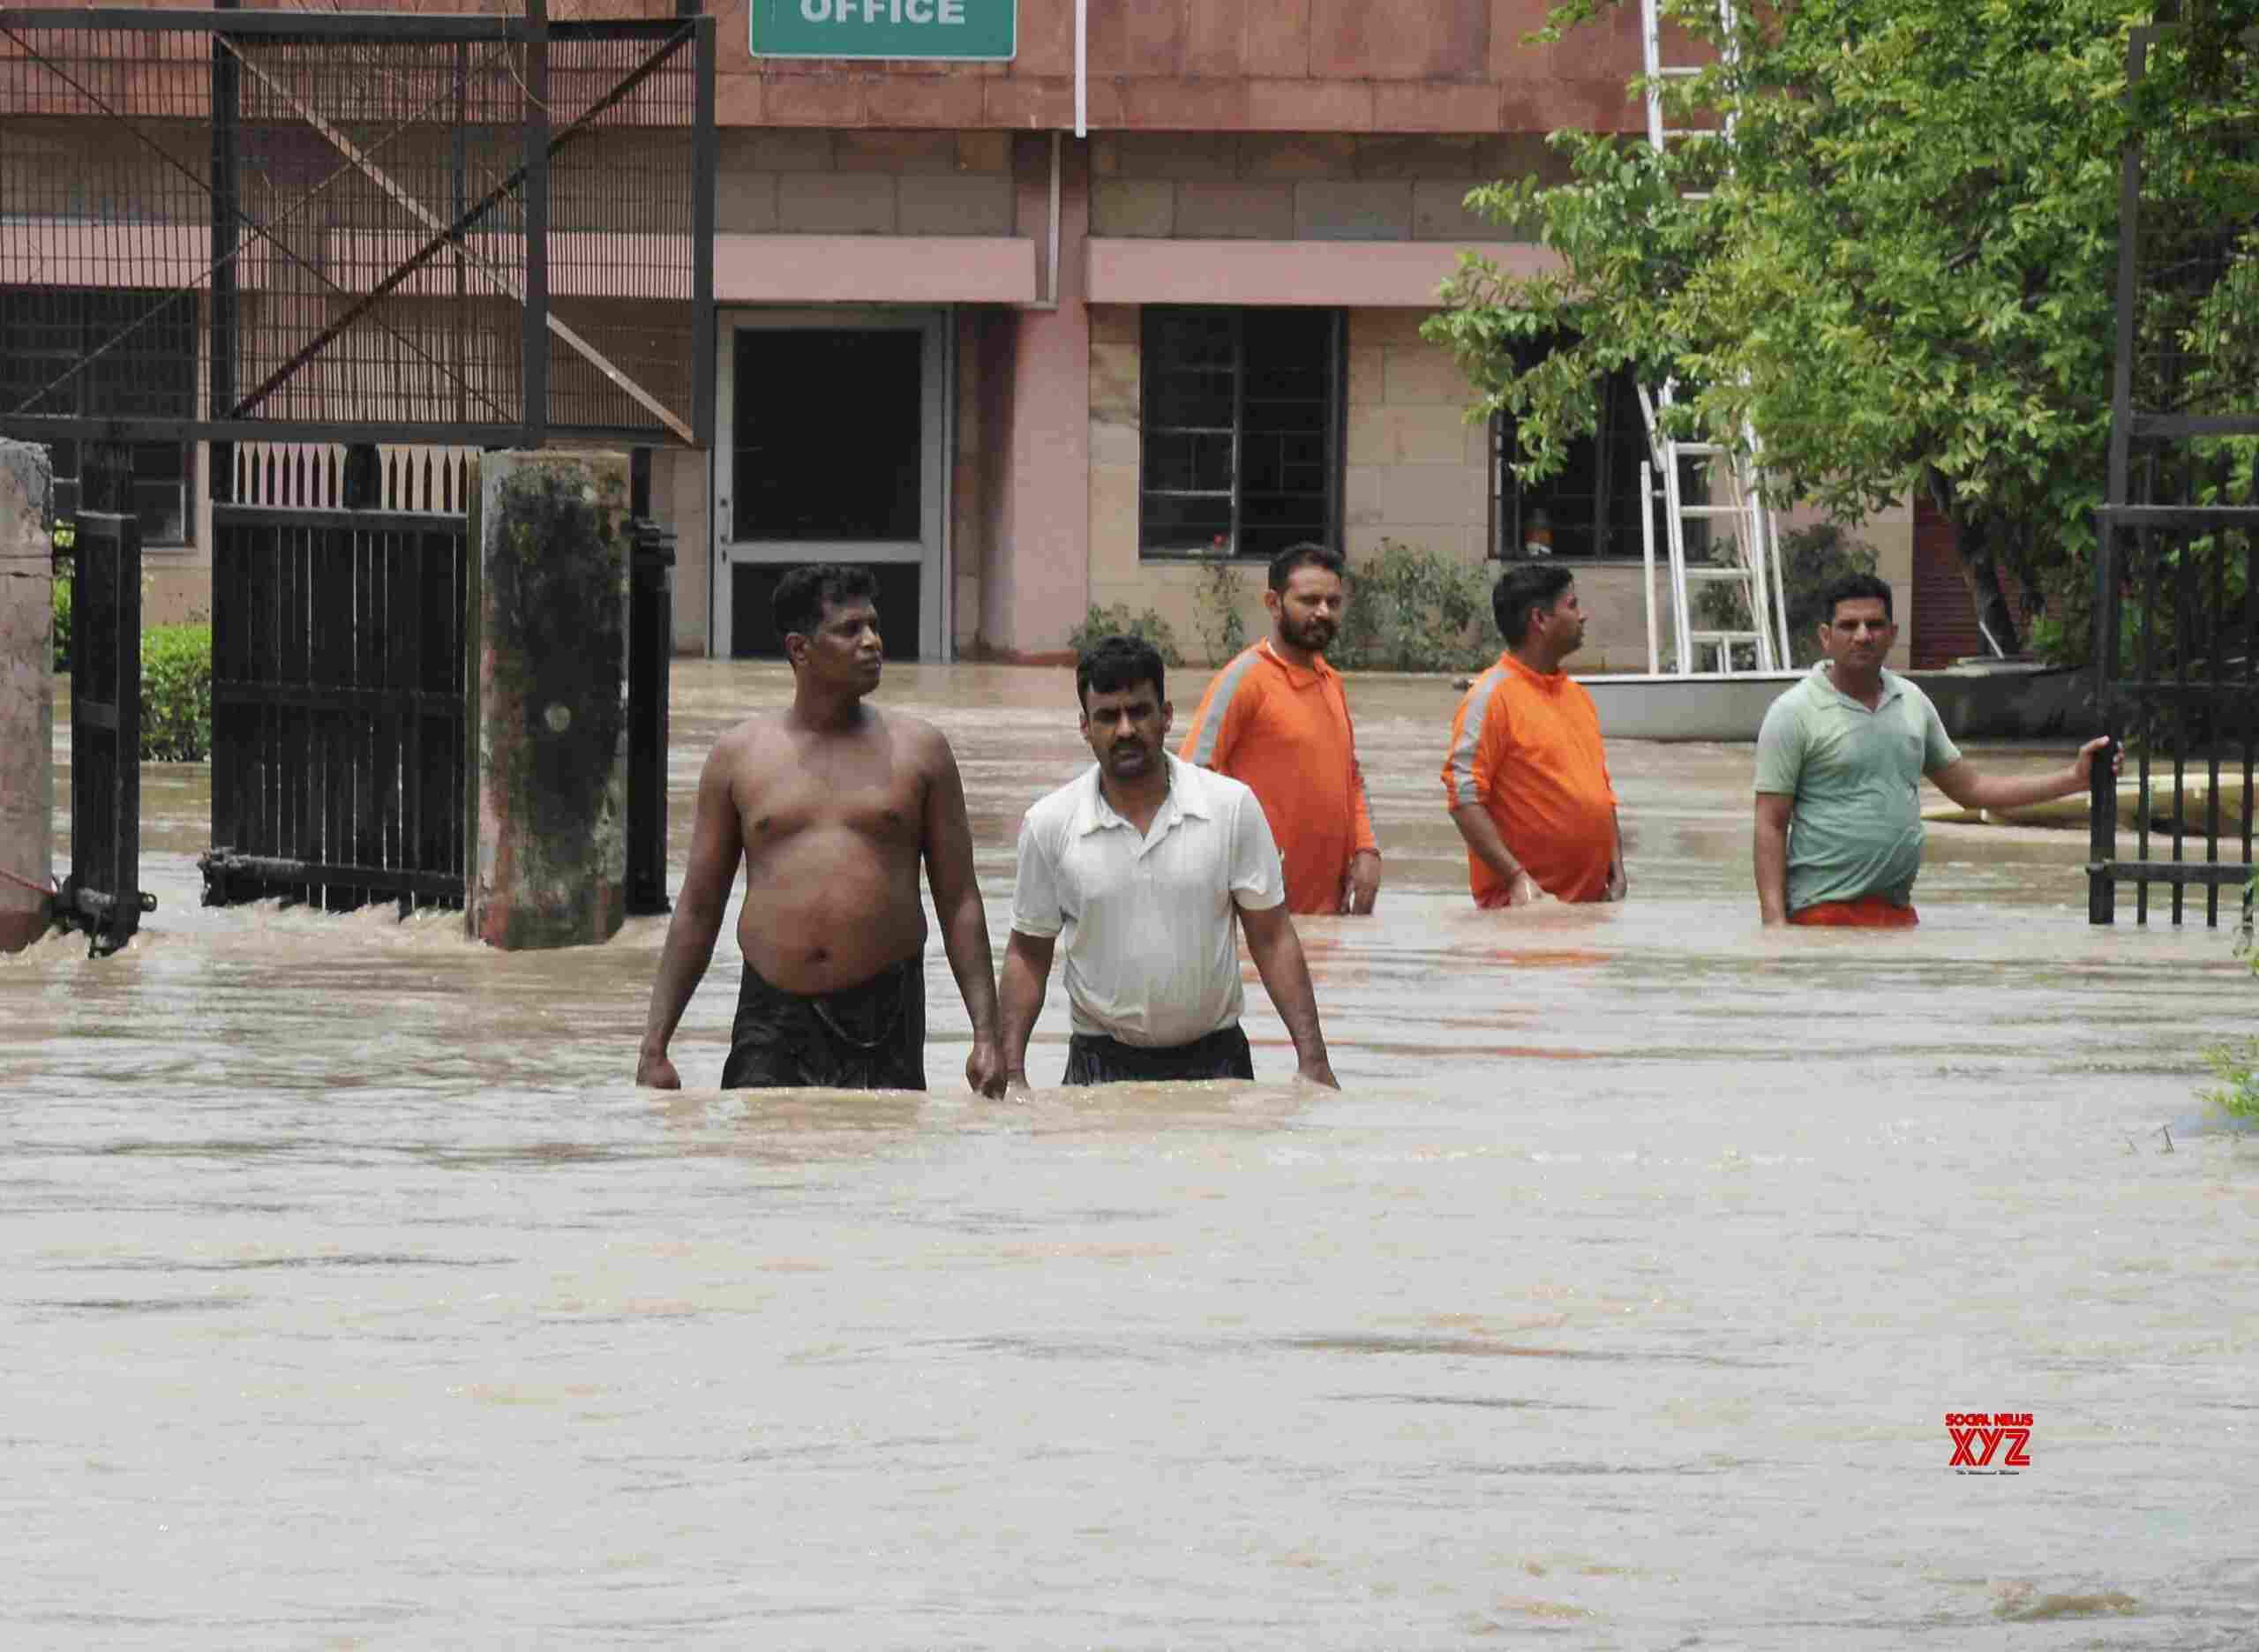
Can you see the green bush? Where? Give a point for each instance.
(1812, 560)
(2236, 1065)
(176, 693)
(1412, 609)
(1119, 621)
(2237, 1068)
(63, 617)
(1222, 627)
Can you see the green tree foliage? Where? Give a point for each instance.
(1905, 278)
(176, 693)
(63, 593)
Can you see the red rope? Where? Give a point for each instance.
(22, 882)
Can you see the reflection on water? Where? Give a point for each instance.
(357, 1297)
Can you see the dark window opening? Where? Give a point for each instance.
(753, 590)
(83, 353)
(1591, 508)
(1241, 415)
(827, 428)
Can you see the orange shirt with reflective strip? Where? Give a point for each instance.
(1284, 731)
(1525, 745)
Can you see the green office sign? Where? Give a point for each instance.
(984, 31)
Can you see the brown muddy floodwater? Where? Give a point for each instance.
(355, 1298)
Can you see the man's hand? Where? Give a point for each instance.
(1617, 882)
(1318, 1072)
(1363, 884)
(2082, 765)
(984, 1069)
(655, 1071)
(1523, 892)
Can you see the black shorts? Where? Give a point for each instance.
(1092, 1058)
(870, 1036)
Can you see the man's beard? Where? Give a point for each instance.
(1312, 638)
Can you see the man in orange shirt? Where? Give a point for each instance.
(1526, 779)
(1275, 719)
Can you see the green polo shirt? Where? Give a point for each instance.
(1856, 829)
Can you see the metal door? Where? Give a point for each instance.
(830, 446)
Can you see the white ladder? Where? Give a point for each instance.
(1754, 573)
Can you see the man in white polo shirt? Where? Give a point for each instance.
(1140, 863)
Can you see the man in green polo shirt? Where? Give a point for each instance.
(1840, 761)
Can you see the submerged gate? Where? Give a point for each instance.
(316, 229)
(2176, 584)
(339, 646)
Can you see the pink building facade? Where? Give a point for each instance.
(1023, 370)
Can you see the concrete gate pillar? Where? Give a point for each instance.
(26, 694)
(549, 550)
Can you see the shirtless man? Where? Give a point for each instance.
(831, 805)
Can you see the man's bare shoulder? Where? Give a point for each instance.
(743, 739)
(921, 741)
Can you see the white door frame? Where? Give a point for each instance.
(930, 550)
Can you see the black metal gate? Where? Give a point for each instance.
(338, 712)
(2176, 584)
(317, 229)
(102, 895)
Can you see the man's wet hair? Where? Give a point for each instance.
(1307, 554)
(1856, 587)
(1521, 590)
(1114, 664)
(802, 594)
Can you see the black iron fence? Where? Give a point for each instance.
(339, 654)
(374, 226)
(340, 650)
(2176, 585)
(2178, 673)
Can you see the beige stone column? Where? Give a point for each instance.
(1036, 587)
(549, 712)
(26, 694)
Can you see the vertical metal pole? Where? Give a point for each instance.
(224, 346)
(2216, 705)
(227, 206)
(1647, 561)
(2102, 784)
(650, 654)
(459, 172)
(534, 335)
(2145, 692)
(706, 153)
(2102, 841)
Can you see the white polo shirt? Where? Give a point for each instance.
(1151, 956)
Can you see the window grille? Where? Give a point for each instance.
(1243, 445)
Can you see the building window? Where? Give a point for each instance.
(1590, 507)
(1242, 411)
(124, 353)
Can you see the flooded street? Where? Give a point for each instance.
(355, 1298)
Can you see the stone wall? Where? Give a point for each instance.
(865, 182)
(1304, 186)
(26, 692)
(1290, 65)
